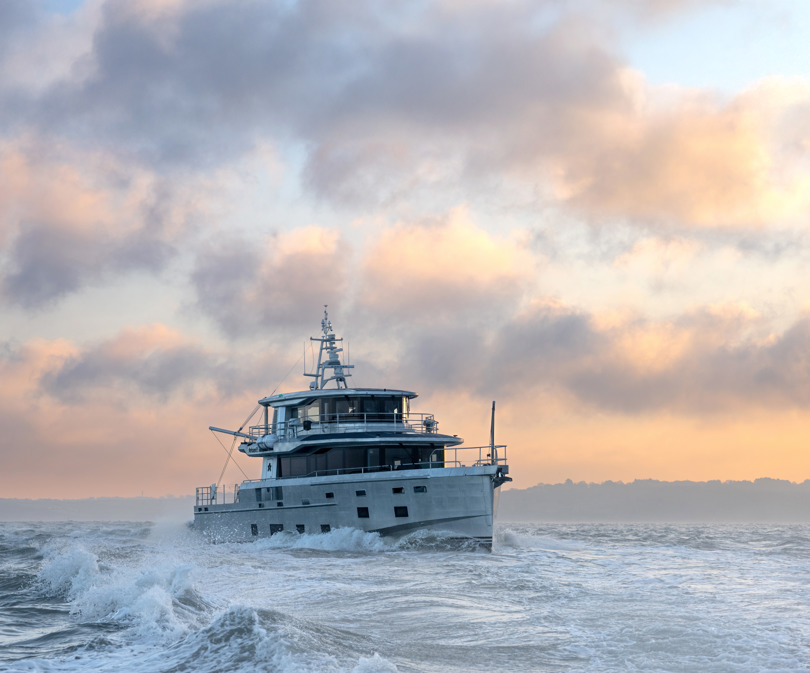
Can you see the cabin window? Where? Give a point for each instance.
(371, 409)
(398, 457)
(298, 465)
(305, 502)
(276, 528)
(362, 512)
(307, 412)
(317, 463)
(334, 409)
(398, 489)
(300, 527)
(254, 529)
(325, 528)
(359, 494)
(420, 489)
(330, 495)
(400, 512)
(329, 460)
(376, 409)
(279, 504)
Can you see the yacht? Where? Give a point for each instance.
(334, 456)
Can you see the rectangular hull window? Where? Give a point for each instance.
(254, 529)
(299, 527)
(276, 528)
(420, 489)
(400, 511)
(362, 512)
(325, 528)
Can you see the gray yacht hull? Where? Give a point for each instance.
(458, 502)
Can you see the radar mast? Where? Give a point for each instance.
(329, 366)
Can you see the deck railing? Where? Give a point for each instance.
(349, 422)
(451, 459)
(471, 456)
(217, 495)
(428, 465)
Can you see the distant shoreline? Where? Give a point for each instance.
(175, 508)
(648, 500)
(643, 500)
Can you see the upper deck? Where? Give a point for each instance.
(307, 396)
(337, 416)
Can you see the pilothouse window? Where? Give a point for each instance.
(370, 409)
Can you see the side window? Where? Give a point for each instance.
(420, 489)
(254, 529)
(400, 512)
(276, 528)
(362, 512)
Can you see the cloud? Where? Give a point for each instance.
(69, 221)
(123, 416)
(250, 290)
(441, 269)
(697, 162)
(711, 361)
(154, 361)
(380, 104)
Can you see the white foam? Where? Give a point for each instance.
(338, 539)
(68, 572)
(375, 664)
(154, 597)
(521, 538)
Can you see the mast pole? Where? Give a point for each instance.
(493, 452)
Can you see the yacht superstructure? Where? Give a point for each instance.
(354, 457)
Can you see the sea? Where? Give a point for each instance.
(155, 597)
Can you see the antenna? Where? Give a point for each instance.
(493, 452)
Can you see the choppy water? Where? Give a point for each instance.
(144, 598)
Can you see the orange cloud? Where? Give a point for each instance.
(117, 440)
(692, 160)
(450, 263)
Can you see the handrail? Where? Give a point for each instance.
(348, 422)
(212, 495)
(203, 492)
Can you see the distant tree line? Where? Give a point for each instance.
(648, 500)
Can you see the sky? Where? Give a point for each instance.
(594, 213)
